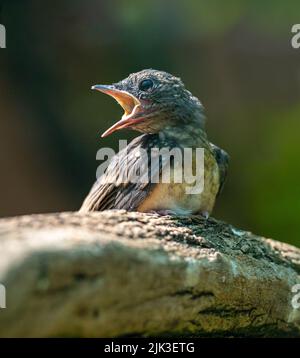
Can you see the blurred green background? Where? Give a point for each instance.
(236, 56)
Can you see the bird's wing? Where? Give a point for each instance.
(118, 188)
(222, 158)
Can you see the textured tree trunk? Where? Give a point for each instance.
(115, 273)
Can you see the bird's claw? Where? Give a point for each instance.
(164, 212)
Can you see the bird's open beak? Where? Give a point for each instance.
(130, 104)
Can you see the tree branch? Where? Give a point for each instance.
(115, 273)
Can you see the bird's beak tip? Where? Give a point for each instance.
(100, 88)
(97, 87)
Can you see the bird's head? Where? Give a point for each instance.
(152, 101)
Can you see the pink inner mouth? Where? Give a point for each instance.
(128, 102)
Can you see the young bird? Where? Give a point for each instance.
(157, 104)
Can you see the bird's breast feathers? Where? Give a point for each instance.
(186, 198)
(109, 192)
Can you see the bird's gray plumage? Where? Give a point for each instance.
(171, 117)
(222, 158)
(111, 191)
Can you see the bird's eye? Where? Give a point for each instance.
(145, 85)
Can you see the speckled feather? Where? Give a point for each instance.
(109, 192)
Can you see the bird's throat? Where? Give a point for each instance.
(187, 136)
